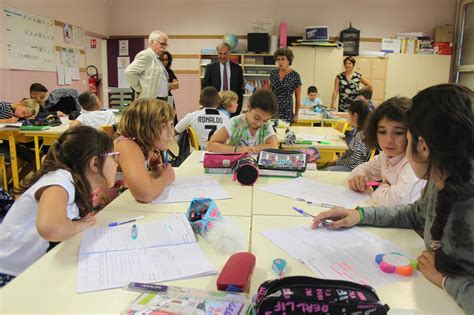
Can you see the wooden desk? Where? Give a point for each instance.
(416, 295)
(13, 135)
(317, 131)
(309, 118)
(49, 286)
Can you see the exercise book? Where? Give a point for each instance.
(158, 251)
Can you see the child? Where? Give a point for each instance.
(38, 92)
(365, 93)
(229, 102)
(146, 130)
(440, 150)
(250, 132)
(11, 112)
(312, 100)
(205, 121)
(386, 130)
(358, 152)
(91, 114)
(57, 202)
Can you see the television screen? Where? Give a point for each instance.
(317, 33)
(258, 42)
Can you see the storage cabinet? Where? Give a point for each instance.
(373, 69)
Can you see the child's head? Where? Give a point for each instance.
(150, 123)
(38, 92)
(386, 128)
(312, 92)
(26, 108)
(209, 97)
(86, 154)
(366, 93)
(229, 101)
(441, 149)
(262, 107)
(358, 112)
(89, 101)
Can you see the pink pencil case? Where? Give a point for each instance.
(221, 160)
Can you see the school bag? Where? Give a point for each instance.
(300, 295)
(184, 149)
(6, 201)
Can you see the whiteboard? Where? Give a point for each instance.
(29, 41)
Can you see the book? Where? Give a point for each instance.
(34, 127)
(279, 173)
(111, 257)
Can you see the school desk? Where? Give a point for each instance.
(308, 118)
(49, 286)
(239, 205)
(316, 131)
(13, 135)
(416, 295)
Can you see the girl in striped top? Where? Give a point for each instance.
(358, 152)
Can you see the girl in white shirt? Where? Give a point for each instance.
(56, 204)
(386, 130)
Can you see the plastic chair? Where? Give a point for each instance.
(108, 129)
(193, 138)
(372, 154)
(3, 171)
(341, 126)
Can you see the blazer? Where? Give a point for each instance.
(144, 73)
(212, 77)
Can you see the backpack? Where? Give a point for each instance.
(6, 201)
(184, 149)
(300, 294)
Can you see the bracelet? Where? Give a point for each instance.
(235, 149)
(361, 214)
(444, 282)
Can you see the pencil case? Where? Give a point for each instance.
(221, 160)
(236, 274)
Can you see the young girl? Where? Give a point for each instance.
(358, 152)
(440, 150)
(250, 132)
(229, 102)
(386, 130)
(57, 202)
(146, 130)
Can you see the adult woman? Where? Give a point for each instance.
(173, 83)
(347, 85)
(284, 82)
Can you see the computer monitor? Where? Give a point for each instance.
(316, 33)
(258, 42)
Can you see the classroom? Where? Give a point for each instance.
(236, 157)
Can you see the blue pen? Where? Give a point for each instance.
(306, 214)
(166, 158)
(134, 233)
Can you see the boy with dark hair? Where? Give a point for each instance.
(91, 114)
(38, 92)
(207, 120)
(312, 100)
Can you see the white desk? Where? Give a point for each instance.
(317, 131)
(416, 293)
(49, 286)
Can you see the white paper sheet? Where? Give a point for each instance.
(347, 254)
(170, 231)
(67, 75)
(60, 72)
(115, 269)
(184, 189)
(316, 192)
(306, 136)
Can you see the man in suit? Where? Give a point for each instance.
(146, 74)
(224, 68)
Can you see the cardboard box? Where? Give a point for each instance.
(443, 33)
(391, 45)
(443, 48)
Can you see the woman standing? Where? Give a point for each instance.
(347, 84)
(285, 82)
(173, 83)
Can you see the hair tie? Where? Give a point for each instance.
(435, 245)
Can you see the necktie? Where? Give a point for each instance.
(225, 83)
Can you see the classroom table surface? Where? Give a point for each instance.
(328, 132)
(416, 295)
(306, 116)
(49, 286)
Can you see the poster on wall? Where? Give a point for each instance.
(78, 36)
(67, 32)
(29, 41)
(123, 47)
(122, 63)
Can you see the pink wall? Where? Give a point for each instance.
(16, 83)
(187, 96)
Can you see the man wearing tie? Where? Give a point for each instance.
(224, 74)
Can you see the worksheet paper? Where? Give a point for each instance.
(173, 230)
(346, 254)
(185, 189)
(310, 137)
(316, 192)
(109, 270)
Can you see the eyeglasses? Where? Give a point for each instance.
(115, 155)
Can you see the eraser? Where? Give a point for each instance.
(236, 274)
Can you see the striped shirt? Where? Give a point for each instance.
(6, 110)
(358, 152)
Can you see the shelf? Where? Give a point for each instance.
(257, 75)
(260, 66)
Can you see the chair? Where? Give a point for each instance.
(3, 171)
(108, 129)
(193, 138)
(341, 126)
(372, 154)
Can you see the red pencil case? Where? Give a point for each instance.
(221, 160)
(236, 274)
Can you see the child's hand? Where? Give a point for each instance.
(167, 173)
(358, 183)
(247, 150)
(60, 114)
(342, 217)
(426, 265)
(12, 120)
(85, 222)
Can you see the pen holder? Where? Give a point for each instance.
(246, 170)
(203, 213)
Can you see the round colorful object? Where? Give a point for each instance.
(396, 263)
